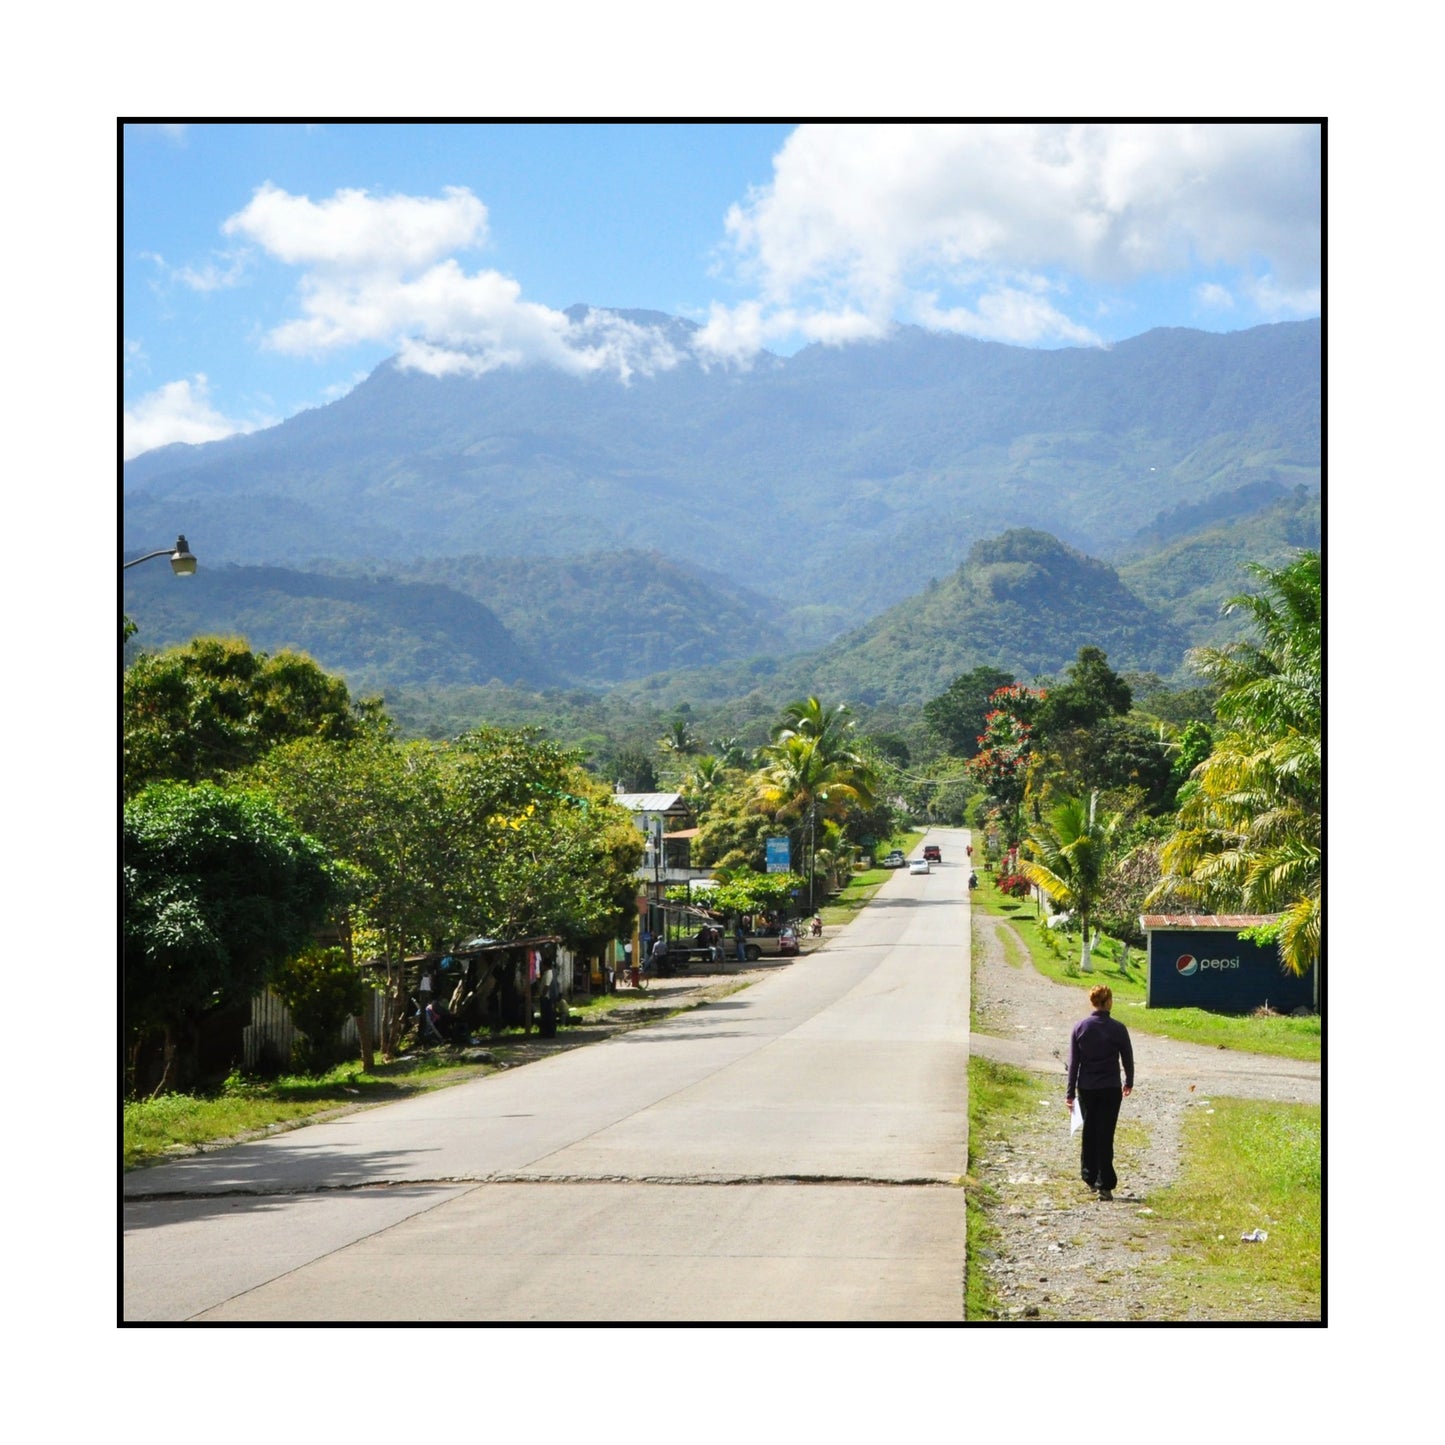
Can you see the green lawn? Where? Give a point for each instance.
(1247, 1166)
(152, 1127)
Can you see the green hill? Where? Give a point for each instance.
(1189, 578)
(375, 631)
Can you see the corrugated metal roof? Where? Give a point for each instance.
(1227, 922)
(648, 802)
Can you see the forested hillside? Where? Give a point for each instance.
(590, 620)
(375, 631)
(1189, 578)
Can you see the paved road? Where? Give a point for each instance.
(792, 1152)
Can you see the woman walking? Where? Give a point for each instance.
(1098, 1047)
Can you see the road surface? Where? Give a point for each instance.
(794, 1152)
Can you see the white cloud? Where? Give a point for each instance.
(378, 271)
(1214, 296)
(227, 270)
(1277, 300)
(1011, 314)
(355, 231)
(179, 412)
(878, 222)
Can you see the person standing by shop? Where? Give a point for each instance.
(1098, 1048)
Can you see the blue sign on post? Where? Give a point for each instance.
(779, 855)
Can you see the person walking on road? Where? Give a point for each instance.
(1098, 1048)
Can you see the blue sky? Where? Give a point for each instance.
(269, 267)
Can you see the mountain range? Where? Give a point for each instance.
(875, 512)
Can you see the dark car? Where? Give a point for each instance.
(895, 859)
(933, 854)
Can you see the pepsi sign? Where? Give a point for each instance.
(1217, 969)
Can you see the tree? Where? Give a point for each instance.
(496, 833)
(380, 805)
(1071, 852)
(1093, 692)
(634, 769)
(547, 851)
(679, 737)
(745, 891)
(1194, 743)
(957, 716)
(830, 728)
(802, 780)
(706, 781)
(199, 712)
(219, 887)
(1113, 756)
(1249, 836)
(734, 835)
(1005, 754)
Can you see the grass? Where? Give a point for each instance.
(152, 1127)
(998, 1095)
(1056, 958)
(854, 896)
(1247, 1166)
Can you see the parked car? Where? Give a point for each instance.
(765, 943)
(920, 865)
(895, 859)
(933, 853)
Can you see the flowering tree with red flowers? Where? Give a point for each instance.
(1005, 750)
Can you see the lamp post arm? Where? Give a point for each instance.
(183, 563)
(136, 561)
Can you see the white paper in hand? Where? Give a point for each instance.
(1076, 1118)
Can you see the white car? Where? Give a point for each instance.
(919, 865)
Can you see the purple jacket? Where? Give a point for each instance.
(1096, 1048)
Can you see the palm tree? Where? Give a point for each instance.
(811, 718)
(679, 737)
(1072, 849)
(730, 751)
(799, 781)
(1249, 836)
(706, 779)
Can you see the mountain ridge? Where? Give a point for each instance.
(861, 468)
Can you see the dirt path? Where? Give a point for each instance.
(1062, 1254)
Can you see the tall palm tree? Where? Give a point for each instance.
(811, 718)
(1072, 848)
(799, 782)
(1249, 837)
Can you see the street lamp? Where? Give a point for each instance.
(183, 563)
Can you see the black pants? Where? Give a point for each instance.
(1100, 1108)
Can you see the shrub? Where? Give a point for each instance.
(1015, 885)
(322, 990)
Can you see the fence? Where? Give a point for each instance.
(272, 1030)
(271, 1024)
